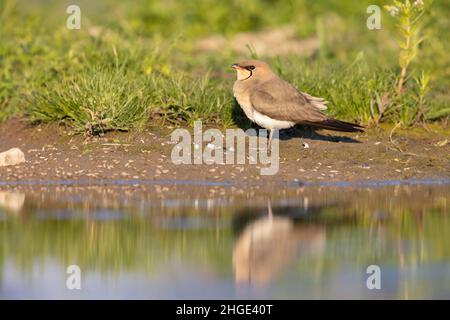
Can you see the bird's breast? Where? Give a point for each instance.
(243, 98)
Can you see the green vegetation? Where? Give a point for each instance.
(408, 15)
(133, 64)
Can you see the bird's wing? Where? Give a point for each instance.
(279, 100)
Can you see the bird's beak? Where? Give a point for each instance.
(237, 66)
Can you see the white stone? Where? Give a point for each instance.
(11, 157)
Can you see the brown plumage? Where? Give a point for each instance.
(275, 104)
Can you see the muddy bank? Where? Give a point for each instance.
(53, 154)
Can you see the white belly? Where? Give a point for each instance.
(269, 123)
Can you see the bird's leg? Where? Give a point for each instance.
(269, 210)
(269, 145)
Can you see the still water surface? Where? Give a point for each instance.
(196, 243)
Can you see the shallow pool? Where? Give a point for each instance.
(206, 242)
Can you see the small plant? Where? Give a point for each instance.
(382, 104)
(423, 88)
(408, 16)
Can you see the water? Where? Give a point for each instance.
(225, 242)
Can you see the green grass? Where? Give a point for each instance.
(135, 64)
(118, 92)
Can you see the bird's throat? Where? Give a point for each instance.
(243, 74)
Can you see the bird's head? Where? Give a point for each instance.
(252, 69)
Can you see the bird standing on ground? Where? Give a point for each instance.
(275, 104)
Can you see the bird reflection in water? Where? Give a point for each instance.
(271, 243)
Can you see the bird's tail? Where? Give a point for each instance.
(338, 125)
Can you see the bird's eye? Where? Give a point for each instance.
(250, 68)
